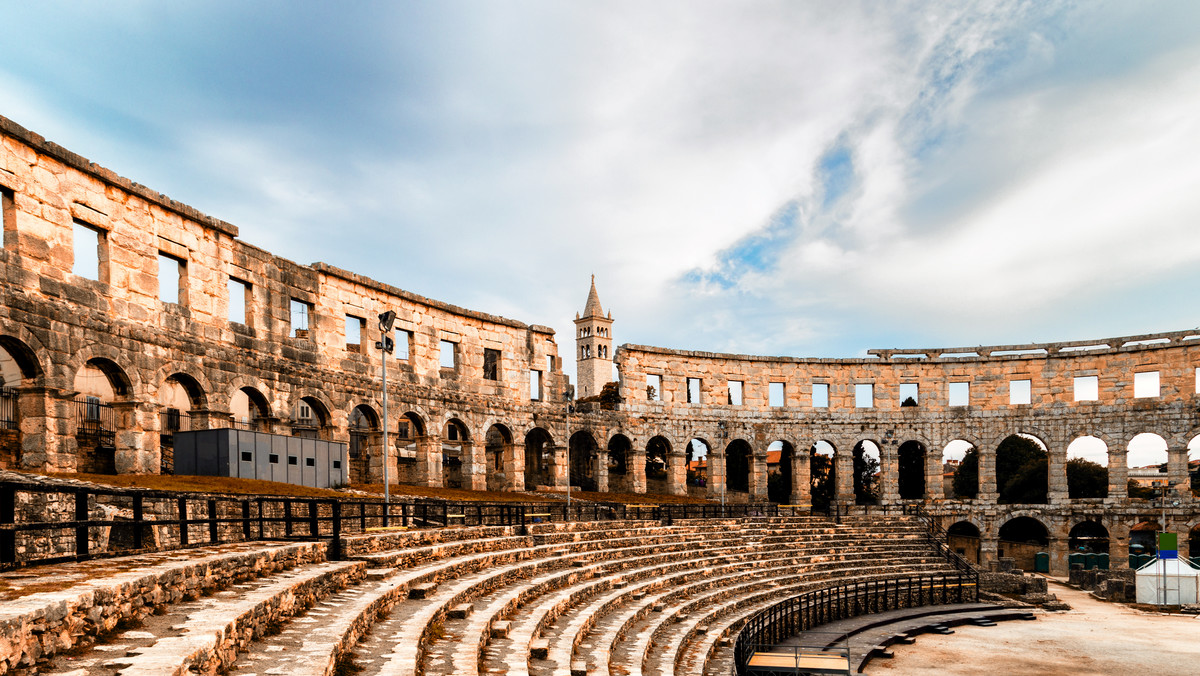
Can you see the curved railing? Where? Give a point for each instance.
(771, 626)
(939, 539)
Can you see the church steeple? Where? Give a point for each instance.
(593, 338)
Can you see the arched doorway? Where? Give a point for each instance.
(582, 461)
(658, 454)
(1022, 470)
(1147, 462)
(866, 473)
(619, 448)
(310, 419)
(910, 479)
(539, 459)
(454, 436)
(99, 383)
(737, 468)
(177, 397)
(1087, 468)
(779, 471)
(697, 464)
(364, 431)
(963, 537)
(822, 473)
(1022, 538)
(18, 366)
(498, 451)
(248, 410)
(960, 470)
(1088, 537)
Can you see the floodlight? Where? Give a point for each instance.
(386, 320)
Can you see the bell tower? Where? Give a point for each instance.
(593, 341)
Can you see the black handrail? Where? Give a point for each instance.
(939, 538)
(823, 605)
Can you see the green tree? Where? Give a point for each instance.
(966, 476)
(821, 473)
(866, 477)
(1086, 479)
(1140, 492)
(1021, 471)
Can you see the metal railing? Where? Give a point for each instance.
(816, 607)
(95, 421)
(41, 523)
(173, 420)
(940, 539)
(8, 408)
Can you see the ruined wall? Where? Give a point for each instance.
(55, 322)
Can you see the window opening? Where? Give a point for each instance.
(293, 460)
(653, 387)
(247, 456)
(355, 326)
(170, 279)
(8, 217)
(735, 392)
(864, 395)
(88, 248)
(310, 462)
(535, 385)
(239, 300)
(1087, 388)
(910, 394)
(1145, 385)
(491, 364)
(693, 390)
(959, 394)
(300, 317)
(403, 344)
(1019, 392)
(775, 395)
(820, 395)
(447, 354)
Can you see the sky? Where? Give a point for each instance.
(782, 178)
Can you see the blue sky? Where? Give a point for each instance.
(809, 179)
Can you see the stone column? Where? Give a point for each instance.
(1118, 475)
(1177, 472)
(989, 544)
(474, 466)
(136, 453)
(758, 477)
(889, 473)
(429, 461)
(677, 473)
(935, 490)
(801, 481)
(1059, 550)
(207, 419)
(637, 470)
(559, 468)
(844, 462)
(1118, 549)
(988, 493)
(43, 419)
(514, 466)
(1056, 477)
(716, 474)
(601, 463)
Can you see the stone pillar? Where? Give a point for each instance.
(1056, 478)
(677, 473)
(989, 544)
(1118, 475)
(601, 464)
(1118, 549)
(44, 417)
(514, 466)
(935, 489)
(716, 474)
(889, 473)
(559, 470)
(429, 461)
(758, 477)
(844, 462)
(988, 493)
(637, 470)
(474, 466)
(207, 419)
(801, 481)
(1059, 550)
(1177, 472)
(136, 452)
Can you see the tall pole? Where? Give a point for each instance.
(567, 417)
(386, 345)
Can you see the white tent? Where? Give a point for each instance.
(1168, 582)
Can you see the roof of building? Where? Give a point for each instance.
(592, 308)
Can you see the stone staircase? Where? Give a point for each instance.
(611, 597)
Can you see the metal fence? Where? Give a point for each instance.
(42, 524)
(792, 616)
(95, 421)
(8, 408)
(939, 538)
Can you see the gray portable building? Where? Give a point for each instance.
(257, 455)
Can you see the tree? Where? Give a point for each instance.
(1022, 469)
(1086, 479)
(908, 402)
(821, 474)
(966, 476)
(1139, 492)
(866, 476)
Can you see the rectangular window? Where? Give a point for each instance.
(310, 462)
(447, 358)
(909, 391)
(820, 397)
(693, 390)
(959, 394)
(864, 395)
(653, 387)
(273, 459)
(1198, 380)
(735, 392)
(402, 429)
(337, 464)
(293, 460)
(239, 299)
(8, 217)
(170, 279)
(300, 317)
(775, 395)
(549, 362)
(1087, 388)
(491, 364)
(89, 243)
(1019, 392)
(1145, 384)
(355, 326)
(403, 344)
(247, 456)
(535, 385)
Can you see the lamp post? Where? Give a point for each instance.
(570, 409)
(724, 465)
(386, 345)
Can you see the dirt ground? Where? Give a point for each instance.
(1094, 637)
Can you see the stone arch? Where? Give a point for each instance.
(780, 481)
(1194, 543)
(1022, 537)
(822, 473)
(1143, 535)
(960, 452)
(179, 394)
(455, 438)
(191, 378)
(619, 449)
(965, 537)
(658, 464)
(19, 366)
(699, 462)
(739, 459)
(910, 469)
(26, 365)
(364, 428)
(581, 453)
(249, 408)
(310, 417)
(1084, 480)
(107, 359)
(867, 477)
(119, 384)
(539, 458)
(499, 454)
(1088, 536)
(1146, 463)
(1022, 469)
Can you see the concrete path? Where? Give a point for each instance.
(1094, 638)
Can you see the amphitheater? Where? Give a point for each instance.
(129, 318)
